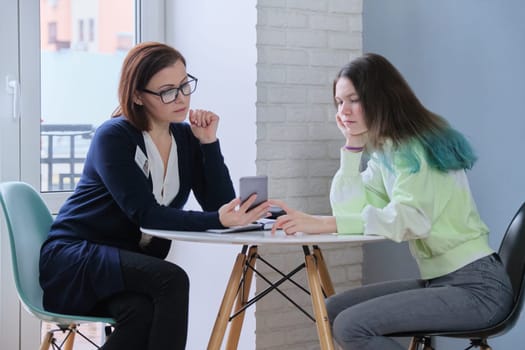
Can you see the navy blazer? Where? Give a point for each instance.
(112, 200)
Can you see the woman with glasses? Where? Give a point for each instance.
(414, 189)
(139, 171)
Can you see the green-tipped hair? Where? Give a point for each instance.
(445, 150)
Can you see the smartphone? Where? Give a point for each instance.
(249, 185)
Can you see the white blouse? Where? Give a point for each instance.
(165, 188)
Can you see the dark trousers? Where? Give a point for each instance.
(152, 312)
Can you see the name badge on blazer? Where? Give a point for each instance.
(142, 161)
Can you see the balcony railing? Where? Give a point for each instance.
(64, 148)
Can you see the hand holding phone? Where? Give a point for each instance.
(258, 185)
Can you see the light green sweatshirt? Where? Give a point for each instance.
(432, 210)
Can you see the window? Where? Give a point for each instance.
(78, 81)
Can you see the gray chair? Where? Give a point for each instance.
(512, 253)
(28, 221)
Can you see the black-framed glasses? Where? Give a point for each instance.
(171, 94)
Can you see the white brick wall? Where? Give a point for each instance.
(301, 44)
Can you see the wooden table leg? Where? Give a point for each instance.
(242, 298)
(321, 316)
(324, 276)
(221, 322)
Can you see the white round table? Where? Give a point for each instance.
(238, 287)
(260, 237)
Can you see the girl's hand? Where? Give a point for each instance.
(230, 215)
(204, 125)
(296, 221)
(354, 138)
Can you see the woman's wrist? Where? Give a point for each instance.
(330, 224)
(354, 148)
(205, 141)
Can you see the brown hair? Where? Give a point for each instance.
(391, 109)
(141, 63)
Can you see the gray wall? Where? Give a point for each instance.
(466, 61)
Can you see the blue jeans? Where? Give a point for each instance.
(476, 296)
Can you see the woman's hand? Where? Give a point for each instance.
(230, 215)
(296, 221)
(355, 136)
(204, 125)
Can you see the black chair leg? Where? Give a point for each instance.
(427, 343)
(107, 331)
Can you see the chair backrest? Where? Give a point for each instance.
(512, 250)
(28, 221)
(512, 253)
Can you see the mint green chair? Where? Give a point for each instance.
(28, 221)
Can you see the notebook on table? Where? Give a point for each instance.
(261, 224)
